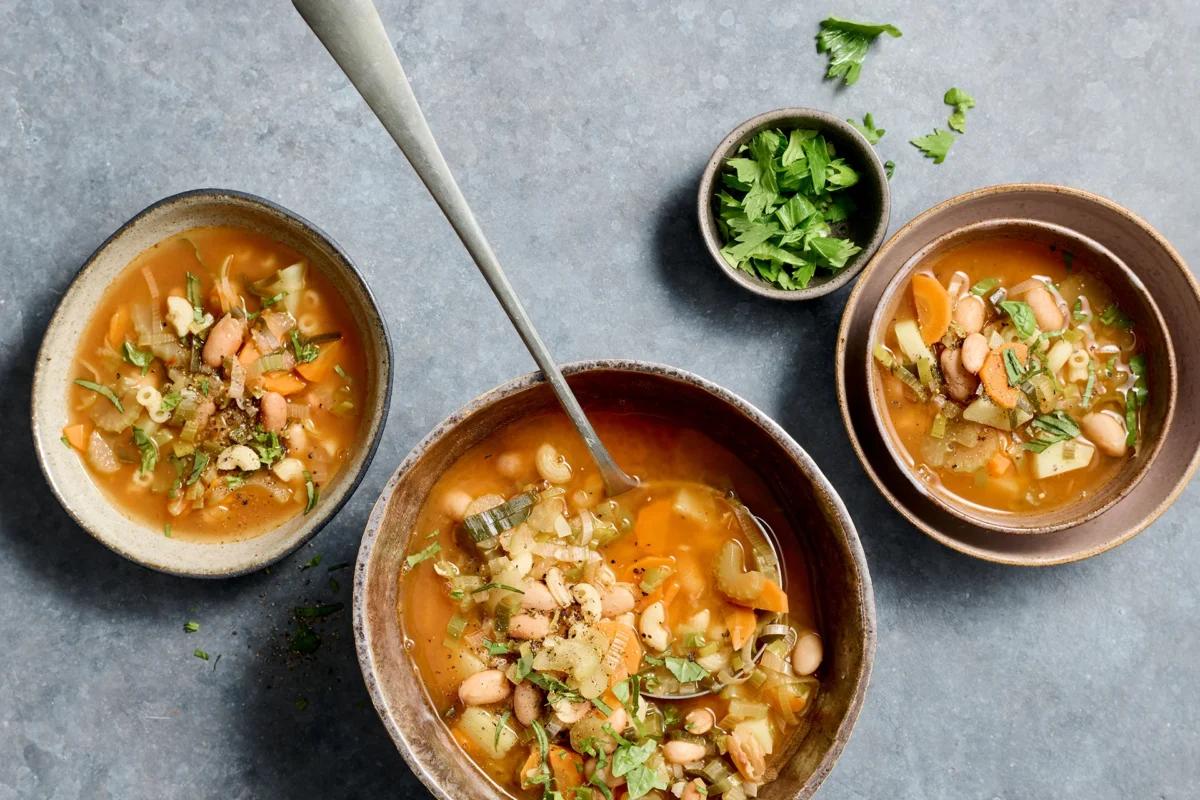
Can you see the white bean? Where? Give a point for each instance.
(969, 313)
(527, 703)
(510, 465)
(959, 382)
(617, 601)
(484, 688)
(1045, 310)
(454, 502)
(528, 626)
(272, 411)
(807, 653)
(537, 597)
(223, 340)
(683, 752)
(974, 352)
(1106, 431)
(699, 721)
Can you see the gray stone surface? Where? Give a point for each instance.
(578, 131)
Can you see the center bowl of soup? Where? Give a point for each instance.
(1022, 375)
(515, 624)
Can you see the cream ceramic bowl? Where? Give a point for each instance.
(65, 470)
(824, 532)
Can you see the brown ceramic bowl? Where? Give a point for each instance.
(842, 586)
(872, 195)
(1168, 301)
(1135, 300)
(65, 471)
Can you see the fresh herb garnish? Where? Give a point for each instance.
(935, 145)
(423, 555)
(1077, 312)
(148, 448)
(985, 287)
(199, 462)
(867, 129)
(685, 670)
(202, 384)
(305, 351)
(312, 491)
(1052, 428)
(487, 587)
(103, 391)
(138, 358)
(1135, 398)
(496, 648)
(191, 626)
(889, 168)
(1090, 386)
(169, 401)
(301, 703)
(267, 445)
(194, 297)
(784, 193)
(629, 761)
(234, 482)
(1112, 316)
(847, 43)
(602, 706)
(305, 640)
(1014, 370)
(1022, 317)
(167, 530)
(198, 653)
(315, 561)
(960, 101)
(270, 301)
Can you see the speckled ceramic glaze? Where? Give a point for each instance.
(1164, 300)
(64, 469)
(872, 196)
(842, 585)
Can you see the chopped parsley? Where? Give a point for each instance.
(191, 626)
(1112, 316)
(198, 653)
(424, 555)
(268, 446)
(783, 195)
(496, 648)
(960, 101)
(867, 129)
(148, 449)
(103, 391)
(199, 462)
(138, 358)
(305, 351)
(169, 401)
(1052, 428)
(935, 145)
(847, 43)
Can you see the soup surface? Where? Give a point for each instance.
(1012, 378)
(218, 387)
(543, 615)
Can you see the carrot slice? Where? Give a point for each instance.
(567, 767)
(77, 435)
(772, 598)
(995, 376)
(624, 647)
(998, 464)
(319, 368)
(529, 767)
(118, 327)
(741, 623)
(284, 383)
(248, 355)
(933, 307)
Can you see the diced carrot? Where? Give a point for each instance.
(283, 382)
(529, 767)
(998, 464)
(772, 598)
(319, 368)
(249, 354)
(624, 644)
(666, 592)
(77, 435)
(741, 623)
(995, 377)
(655, 521)
(933, 307)
(118, 326)
(567, 767)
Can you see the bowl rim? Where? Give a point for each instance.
(843, 337)
(819, 286)
(227, 197)
(998, 227)
(374, 527)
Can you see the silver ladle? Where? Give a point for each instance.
(353, 33)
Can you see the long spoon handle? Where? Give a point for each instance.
(354, 35)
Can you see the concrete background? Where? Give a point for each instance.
(578, 131)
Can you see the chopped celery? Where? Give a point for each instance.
(938, 429)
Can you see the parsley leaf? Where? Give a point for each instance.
(685, 670)
(305, 351)
(630, 756)
(148, 448)
(1052, 428)
(266, 444)
(1112, 316)
(936, 145)
(1022, 317)
(191, 626)
(103, 391)
(138, 358)
(847, 43)
(867, 129)
(424, 555)
(960, 101)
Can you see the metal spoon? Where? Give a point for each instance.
(354, 35)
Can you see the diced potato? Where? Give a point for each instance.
(985, 412)
(1053, 460)
(480, 727)
(694, 505)
(1058, 355)
(462, 664)
(911, 342)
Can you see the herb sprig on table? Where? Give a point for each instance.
(847, 43)
(782, 200)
